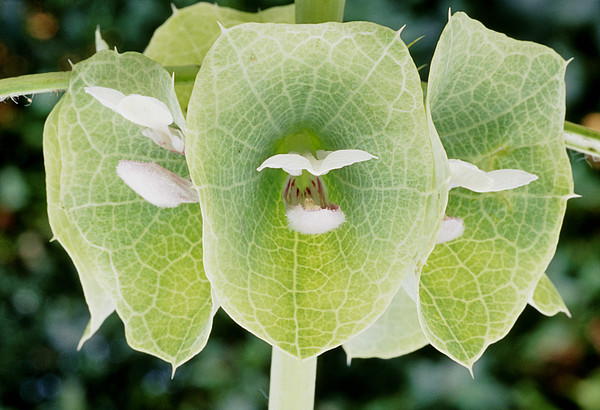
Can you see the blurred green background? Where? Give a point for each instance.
(544, 363)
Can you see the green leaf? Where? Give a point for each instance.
(187, 35)
(397, 332)
(497, 103)
(546, 298)
(354, 86)
(144, 261)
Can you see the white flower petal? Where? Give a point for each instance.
(328, 160)
(145, 111)
(313, 221)
(171, 139)
(466, 175)
(504, 179)
(451, 229)
(156, 184)
(293, 164)
(106, 96)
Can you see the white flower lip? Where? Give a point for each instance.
(312, 222)
(156, 184)
(145, 111)
(469, 176)
(309, 210)
(466, 175)
(294, 163)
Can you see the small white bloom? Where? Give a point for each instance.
(313, 221)
(466, 175)
(156, 184)
(294, 163)
(307, 206)
(142, 110)
(469, 176)
(451, 229)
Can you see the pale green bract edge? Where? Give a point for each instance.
(546, 298)
(498, 103)
(100, 302)
(356, 87)
(397, 332)
(187, 35)
(146, 261)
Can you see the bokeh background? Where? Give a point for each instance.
(544, 363)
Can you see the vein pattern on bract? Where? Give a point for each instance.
(146, 261)
(355, 87)
(497, 103)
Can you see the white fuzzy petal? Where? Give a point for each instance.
(328, 160)
(504, 179)
(451, 229)
(145, 111)
(466, 175)
(170, 139)
(156, 184)
(313, 222)
(293, 164)
(106, 96)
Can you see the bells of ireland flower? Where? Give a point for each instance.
(353, 181)
(140, 260)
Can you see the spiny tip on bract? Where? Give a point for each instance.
(222, 27)
(400, 30)
(174, 9)
(569, 61)
(101, 45)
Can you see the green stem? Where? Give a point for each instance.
(33, 84)
(59, 81)
(319, 11)
(292, 382)
(582, 139)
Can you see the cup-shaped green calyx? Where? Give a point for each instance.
(350, 86)
(497, 103)
(143, 261)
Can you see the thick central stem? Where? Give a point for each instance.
(319, 11)
(292, 382)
